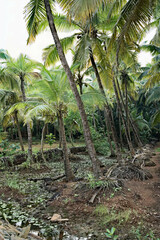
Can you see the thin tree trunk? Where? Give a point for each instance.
(71, 140)
(136, 135)
(120, 130)
(47, 130)
(108, 132)
(12, 133)
(29, 132)
(19, 131)
(67, 165)
(94, 122)
(60, 135)
(126, 110)
(122, 117)
(112, 123)
(107, 117)
(42, 141)
(86, 129)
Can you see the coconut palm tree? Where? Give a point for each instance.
(22, 69)
(89, 43)
(7, 99)
(35, 12)
(53, 89)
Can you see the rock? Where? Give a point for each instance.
(58, 218)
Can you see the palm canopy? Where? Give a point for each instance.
(14, 69)
(151, 73)
(4, 54)
(53, 88)
(134, 17)
(8, 97)
(21, 66)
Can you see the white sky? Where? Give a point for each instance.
(14, 34)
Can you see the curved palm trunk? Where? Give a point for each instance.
(19, 130)
(86, 129)
(108, 123)
(30, 156)
(67, 165)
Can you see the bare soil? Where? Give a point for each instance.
(71, 200)
(141, 197)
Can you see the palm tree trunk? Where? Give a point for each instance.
(129, 120)
(60, 135)
(71, 140)
(120, 130)
(122, 117)
(126, 110)
(29, 132)
(86, 129)
(42, 141)
(67, 165)
(106, 116)
(19, 131)
(106, 110)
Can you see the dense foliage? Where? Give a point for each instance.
(117, 99)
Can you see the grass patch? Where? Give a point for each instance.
(110, 216)
(158, 150)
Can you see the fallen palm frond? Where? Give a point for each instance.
(130, 171)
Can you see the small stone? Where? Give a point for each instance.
(58, 218)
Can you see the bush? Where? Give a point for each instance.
(100, 141)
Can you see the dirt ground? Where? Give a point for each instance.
(142, 198)
(133, 209)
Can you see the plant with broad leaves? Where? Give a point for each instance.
(50, 139)
(110, 234)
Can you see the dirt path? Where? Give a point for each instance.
(145, 196)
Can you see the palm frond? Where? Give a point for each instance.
(151, 48)
(4, 54)
(35, 13)
(115, 7)
(50, 54)
(8, 97)
(134, 16)
(156, 38)
(154, 95)
(82, 52)
(94, 98)
(156, 118)
(44, 110)
(80, 9)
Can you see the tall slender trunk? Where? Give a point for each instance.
(122, 117)
(86, 129)
(67, 165)
(120, 130)
(19, 130)
(42, 141)
(126, 110)
(106, 110)
(29, 132)
(130, 121)
(60, 135)
(108, 131)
